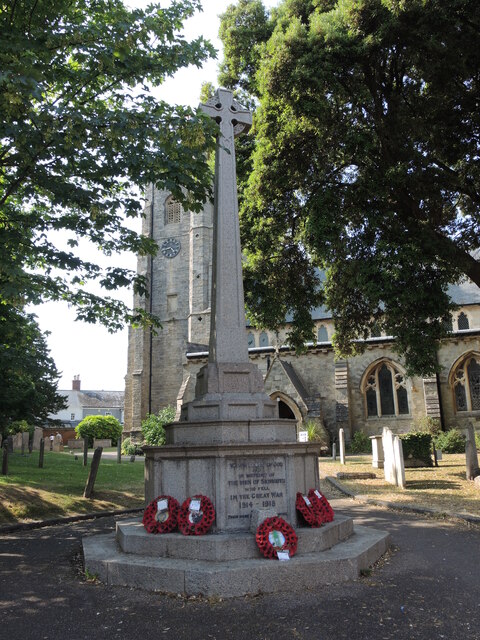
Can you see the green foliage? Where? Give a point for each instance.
(427, 424)
(451, 441)
(153, 426)
(360, 443)
(477, 439)
(101, 427)
(418, 445)
(80, 134)
(316, 432)
(129, 448)
(28, 389)
(17, 426)
(366, 130)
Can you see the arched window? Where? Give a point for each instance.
(263, 339)
(322, 335)
(173, 210)
(385, 391)
(466, 384)
(375, 332)
(463, 322)
(251, 340)
(448, 325)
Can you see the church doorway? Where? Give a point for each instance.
(284, 411)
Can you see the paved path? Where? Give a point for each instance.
(427, 588)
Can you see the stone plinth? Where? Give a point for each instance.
(236, 477)
(232, 391)
(231, 432)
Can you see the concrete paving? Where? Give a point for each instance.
(427, 588)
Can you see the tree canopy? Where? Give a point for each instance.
(28, 388)
(366, 164)
(81, 134)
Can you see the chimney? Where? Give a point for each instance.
(76, 383)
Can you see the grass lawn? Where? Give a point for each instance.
(29, 493)
(444, 487)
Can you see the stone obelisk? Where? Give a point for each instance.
(229, 443)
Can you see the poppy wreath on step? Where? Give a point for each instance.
(274, 535)
(309, 514)
(161, 515)
(321, 505)
(196, 516)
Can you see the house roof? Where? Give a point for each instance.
(95, 399)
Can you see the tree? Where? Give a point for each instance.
(28, 389)
(366, 164)
(80, 134)
(100, 427)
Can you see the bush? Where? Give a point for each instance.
(426, 424)
(316, 432)
(99, 427)
(417, 445)
(153, 426)
(451, 441)
(129, 448)
(477, 439)
(360, 443)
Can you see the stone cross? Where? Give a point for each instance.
(228, 338)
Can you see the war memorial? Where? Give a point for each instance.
(230, 444)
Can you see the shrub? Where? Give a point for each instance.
(99, 427)
(316, 432)
(477, 439)
(417, 445)
(153, 426)
(426, 424)
(360, 443)
(129, 448)
(451, 441)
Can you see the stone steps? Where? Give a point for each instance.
(236, 577)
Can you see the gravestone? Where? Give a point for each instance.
(377, 452)
(37, 436)
(399, 462)
(58, 443)
(341, 440)
(393, 466)
(471, 454)
(10, 444)
(17, 440)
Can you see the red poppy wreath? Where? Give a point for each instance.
(196, 516)
(161, 515)
(321, 505)
(307, 511)
(275, 535)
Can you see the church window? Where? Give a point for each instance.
(264, 339)
(251, 340)
(375, 332)
(385, 391)
(463, 322)
(322, 335)
(448, 325)
(173, 210)
(466, 384)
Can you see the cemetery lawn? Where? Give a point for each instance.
(29, 493)
(444, 487)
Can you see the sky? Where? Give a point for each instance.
(87, 350)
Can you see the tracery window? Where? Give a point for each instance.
(173, 210)
(463, 322)
(322, 335)
(466, 384)
(264, 339)
(385, 390)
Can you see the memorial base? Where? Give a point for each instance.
(229, 564)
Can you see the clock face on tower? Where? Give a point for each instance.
(170, 247)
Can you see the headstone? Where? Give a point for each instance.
(471, 454)
(41, 453)
(341, 441)
(58, 442)
(25, 439)
(377, 452)
(92, 476)
(10, 444)
(5, 461)
(75, 444)
(399, 462)
(17, 440)
(37, 436)
(476, 483)
(334, 451)
(104, 443)
(389, 467)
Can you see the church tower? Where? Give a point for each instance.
(180, 278)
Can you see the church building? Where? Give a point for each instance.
(367, 392)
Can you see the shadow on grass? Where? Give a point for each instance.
(19, 504)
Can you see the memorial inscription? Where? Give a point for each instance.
(255, 483)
